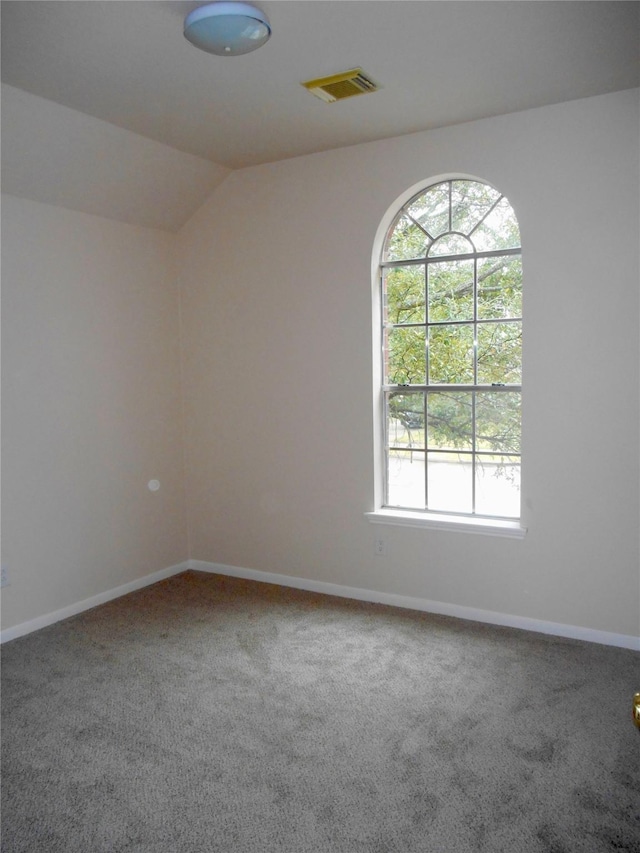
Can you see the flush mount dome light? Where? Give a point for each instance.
(227, 29)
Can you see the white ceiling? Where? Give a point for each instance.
(126, 62)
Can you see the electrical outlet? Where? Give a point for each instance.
(4, 576)
(380, 548)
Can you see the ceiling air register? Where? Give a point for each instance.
(340, 86)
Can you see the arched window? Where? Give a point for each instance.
(451, 301)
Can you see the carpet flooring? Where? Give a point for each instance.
(207, 714)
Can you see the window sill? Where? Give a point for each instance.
(457, 523)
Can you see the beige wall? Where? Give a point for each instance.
(276, 283)
(91, 407)
(275, 276)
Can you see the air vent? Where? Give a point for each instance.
(340, 86)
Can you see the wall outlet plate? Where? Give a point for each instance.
(380, 547)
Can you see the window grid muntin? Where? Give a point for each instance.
(389, 390)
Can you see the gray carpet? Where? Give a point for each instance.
(209, 714)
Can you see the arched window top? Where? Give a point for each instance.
(453, 217)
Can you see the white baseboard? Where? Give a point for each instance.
(557, 629)
(80, 606)
(410, 603)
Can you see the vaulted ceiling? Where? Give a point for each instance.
(196, 116)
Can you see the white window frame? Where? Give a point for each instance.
(382, 514)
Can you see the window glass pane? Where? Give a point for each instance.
(406, 361)
(406, 241)
(449, 482)
(498, 421)
(470, 201)
(405, 424)
(406, 479)
(450, 420)
(498, 231)
(404, 289)
(500, 288)
(450, 291)
(451, 354)
(431, 209)
(498, 485)
(451, 244)
(500, 353)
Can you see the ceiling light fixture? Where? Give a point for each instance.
(227, 29)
